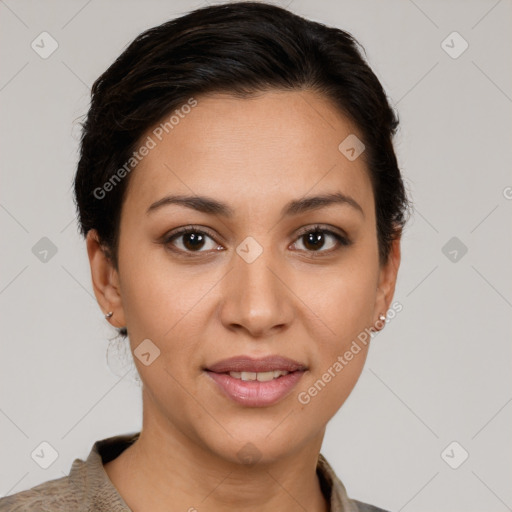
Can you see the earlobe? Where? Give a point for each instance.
(105, 280)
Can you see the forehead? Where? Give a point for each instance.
(251, 152)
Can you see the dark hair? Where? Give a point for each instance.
(240, 48)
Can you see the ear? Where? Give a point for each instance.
(105, 280)
(386, 283)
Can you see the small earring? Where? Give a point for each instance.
(382, 318)
(109, 314)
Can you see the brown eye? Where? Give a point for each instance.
(190, 240)
(317, 238)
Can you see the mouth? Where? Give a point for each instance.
(248, 364)
(256, 382)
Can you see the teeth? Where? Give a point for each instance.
(259, 376)
(265, 376)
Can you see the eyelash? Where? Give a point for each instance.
(342, 240)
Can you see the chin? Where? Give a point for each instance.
(262, 445)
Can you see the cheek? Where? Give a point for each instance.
(168, 305)
(159, 297)
(343, 301)
(346, 307)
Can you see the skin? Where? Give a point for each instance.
(255, 155)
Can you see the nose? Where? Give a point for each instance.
(256, 297)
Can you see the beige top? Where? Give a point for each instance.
(87, 488)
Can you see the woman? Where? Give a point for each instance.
(242, 208)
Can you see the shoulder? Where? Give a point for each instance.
(366, 507)
(52, 496)
(87, 487)
(335, 491)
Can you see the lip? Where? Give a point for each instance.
(256, 393)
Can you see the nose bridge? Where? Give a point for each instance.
(256, 299)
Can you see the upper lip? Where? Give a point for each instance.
(250, 364)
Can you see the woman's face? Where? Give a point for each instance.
(247, 281)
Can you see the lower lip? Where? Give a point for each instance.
(255, 393)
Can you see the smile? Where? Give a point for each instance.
(256, 381)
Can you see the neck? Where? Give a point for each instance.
(164, 470)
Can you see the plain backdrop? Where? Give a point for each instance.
(437, 383)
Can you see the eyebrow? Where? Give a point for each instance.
(295, 207)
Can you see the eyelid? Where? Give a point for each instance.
(187, 229)
(322, 227)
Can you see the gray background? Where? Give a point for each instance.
(439, 372)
